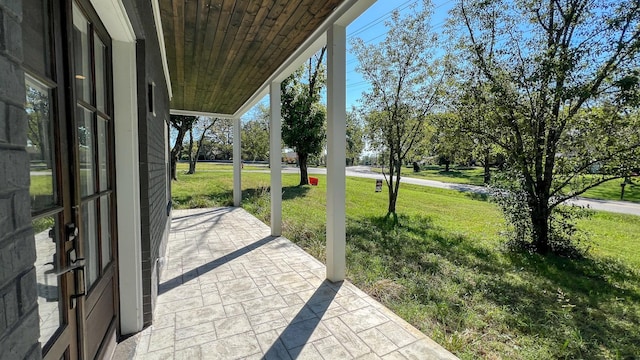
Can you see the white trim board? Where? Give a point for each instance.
(128, 187)
(163, 51)
(115, 18)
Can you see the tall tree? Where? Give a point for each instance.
(355, 138)
(477, 111)
(202, 126)
(303, 125)
(404, 89)
(181, 124)
(448, 142)
(220, 140)
(255, 135)
(543, 66)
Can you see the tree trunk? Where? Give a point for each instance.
(182, 125)
(192, 167)
(446, 165)
(394, 185)
(174, 160)
(392, 195)
(304, 175)
(540, 226)
(192, 161)
(487, 170)
(196, 156)
(392, 202)
(175, 153)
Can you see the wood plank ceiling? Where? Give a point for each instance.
(219, 52)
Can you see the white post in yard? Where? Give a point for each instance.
(336, 152)
(237, 163)
(275, 159)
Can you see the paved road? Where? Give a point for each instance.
(622, 207)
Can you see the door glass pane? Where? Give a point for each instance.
(81, 54)
(40, 147)
(86, 151)
(105, 227)
(101, 55)
(89, 234)
(102, 153)
(47, 263)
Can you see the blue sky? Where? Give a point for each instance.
(370, 27)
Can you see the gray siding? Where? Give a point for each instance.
(152, 146)
(19, 330)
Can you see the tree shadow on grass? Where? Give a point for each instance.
(416, 235)
(214, 199)
(591, 305)
(225, 197)
(587, 308)
(473, 178)
(477, 196)
(431, 167)
(292, 192)
(288, 192)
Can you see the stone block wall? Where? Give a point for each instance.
(19, 322)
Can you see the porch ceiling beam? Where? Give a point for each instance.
(200, 113)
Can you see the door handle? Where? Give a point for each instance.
(75, 265)
(81, 289)
(71, 230)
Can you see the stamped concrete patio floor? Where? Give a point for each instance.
(231, 291)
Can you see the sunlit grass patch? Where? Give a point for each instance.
(445, 270)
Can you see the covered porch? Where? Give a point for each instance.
(230, 286)
(225, 57)
(231, 290)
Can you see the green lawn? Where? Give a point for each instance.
(445, 271)
(609, 190)
(41, 185)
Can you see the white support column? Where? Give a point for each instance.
(128, 183)
(237, 163)
(275, 159)
(336, 152)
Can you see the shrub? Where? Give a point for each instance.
(565, 238)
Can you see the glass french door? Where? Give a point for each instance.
(55, 242)
(93, 159)
(58, 270)
(67, 61)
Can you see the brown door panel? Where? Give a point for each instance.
(99, 320)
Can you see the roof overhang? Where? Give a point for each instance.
(342, 13)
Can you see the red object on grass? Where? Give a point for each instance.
(313, 181)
